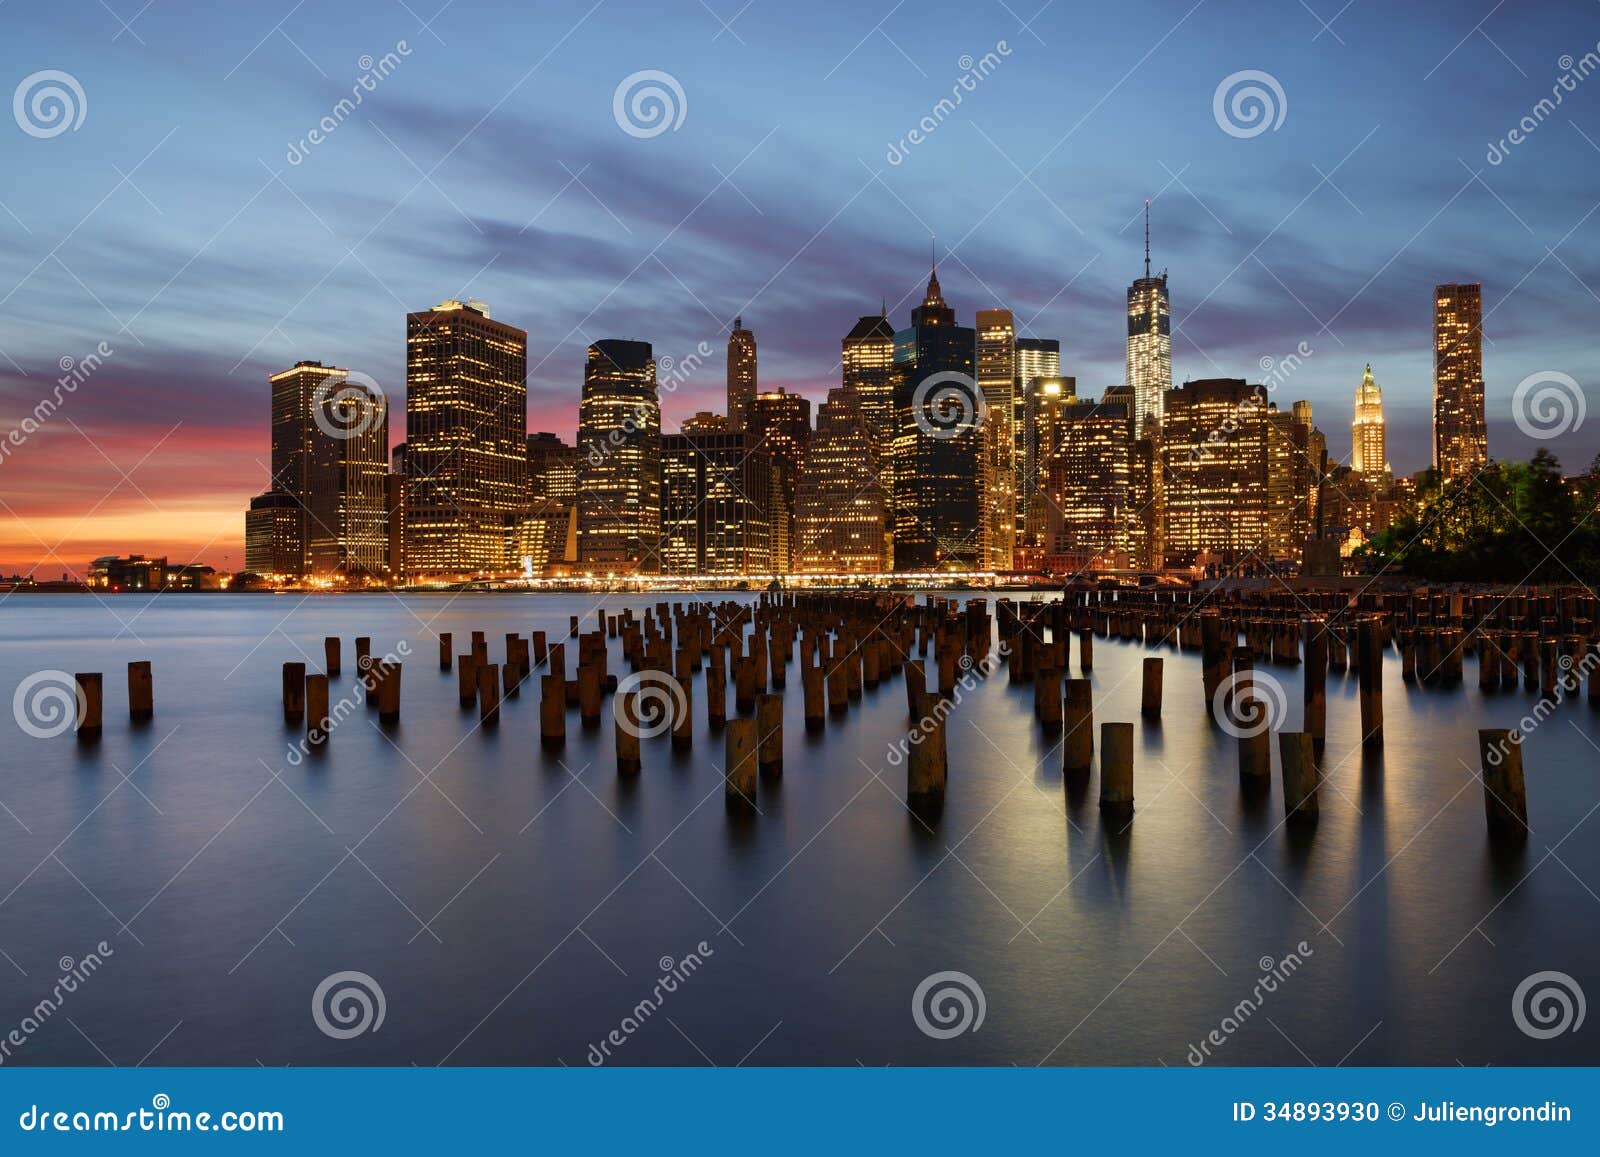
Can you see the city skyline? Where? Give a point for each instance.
(1353, 212)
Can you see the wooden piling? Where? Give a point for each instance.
(1077, 743)
(317, 722)
(552, 711)
(489, 694)
(1369, 669)
(740, 743)
(769, 721)
(927, 764)
(1116, 769)
(811, 686)
(91, 700)
(1150, 692)
(446, 651)
(294, 692)
(627, 715)
(1505, 798)
(1301, 777)
(330, 655)
(141, 691)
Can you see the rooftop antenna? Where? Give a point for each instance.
(1147, 238)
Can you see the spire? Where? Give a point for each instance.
(738, 323)
(1147, 238)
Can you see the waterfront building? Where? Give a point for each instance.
(741, 374)
(997, 382)
(619, 472)
(841, 503)
(1460, 428)
(867, 362)
(1149, 363)
(1368, 448)
(781, 425)
(716, 501)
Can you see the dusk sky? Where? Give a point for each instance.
(173, 226)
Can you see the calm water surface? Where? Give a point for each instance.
(515, 906)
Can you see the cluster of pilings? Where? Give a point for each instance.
(90, 694)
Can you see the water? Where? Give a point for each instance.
(516, 907)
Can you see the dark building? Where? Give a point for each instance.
(273, 535)
(466, 439)
(619, 471)
(938, 459)
(716, 502)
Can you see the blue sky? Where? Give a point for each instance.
(172, 225)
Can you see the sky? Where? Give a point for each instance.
(181, 224)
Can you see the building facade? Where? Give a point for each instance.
(741, 374)
(997, 381)
(781, 425)
(1036, 358)
(867, 362)
(1369, 453)
(1460, 428)
(619, 472)
(841, 502)
(466, 440)
(1149, 365)
(717, 497)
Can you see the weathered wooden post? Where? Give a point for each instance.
(1313, 630)
(446, 651)
(716, 693)
(1086, 650)
(1505, 799)
(1369, 656)
(1047, 699)
(588, 695)
(364, 660)
(90, 703)
(141, 691)
(1150, 692)
(927, 765)
(739, 775)
(1297, 752)
(552, 711)
(467, 679)
(1077, 745)
(683, 714)
(317, 710)
(294, 692)
(1213, 655)
(769, 719)
(388, 676)
(811, 687)
(489, 694)
(330, 655)
(627, 713)
(1116, 770)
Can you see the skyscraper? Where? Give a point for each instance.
(619, 476)
(1460, 429)
(325, 514)
(466, 439)
(780, 423)
(997, 380)
(1091, 512)
(1368, 453)
(1048, 400)
(867, 359)
(716, 504)
(938, 458)
(1037, 357)
(1149, 343)
(841, 504)
(552, 469)
(741, 374)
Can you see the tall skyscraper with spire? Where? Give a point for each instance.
(1149, 344)
(741, 375)
(1460, 429)
(938, 458)
(1368, 453)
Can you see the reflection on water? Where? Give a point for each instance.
(516, 905)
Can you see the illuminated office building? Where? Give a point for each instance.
(716, 502)
(1092, 510)
(1460, 430)
(619, 472)
(841, 504)
(867, 360)
(274, 535)
(1047, 399)
(938, 458)
(1149, 343)
(552, 469)
(705, 422)
(466, 439)
(781, 425)
(1036, 358)
(1368, 450)
(997, 381)
(741, 375)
